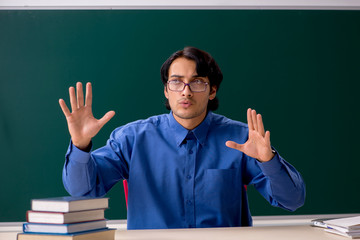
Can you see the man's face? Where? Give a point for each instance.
(189, 108)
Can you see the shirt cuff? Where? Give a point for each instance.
(77, 155)
(271, 167)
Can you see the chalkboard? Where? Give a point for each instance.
(299, 68)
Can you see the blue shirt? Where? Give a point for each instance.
(179, 178)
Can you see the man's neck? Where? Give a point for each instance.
(190, 123)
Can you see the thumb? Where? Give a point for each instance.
(234, 145)
(106, 118)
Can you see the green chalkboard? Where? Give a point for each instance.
(300, 69)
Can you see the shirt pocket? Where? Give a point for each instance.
(222, 188)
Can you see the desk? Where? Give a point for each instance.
(265, 228)
(247, 233)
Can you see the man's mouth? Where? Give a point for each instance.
(185, 103)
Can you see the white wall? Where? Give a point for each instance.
(180, 4)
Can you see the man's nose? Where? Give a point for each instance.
(187, 91)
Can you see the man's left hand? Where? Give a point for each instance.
(258, 144)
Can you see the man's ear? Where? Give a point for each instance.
(212, 92)
(166, 92)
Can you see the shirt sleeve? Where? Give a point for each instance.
(279, 182)
(78, 171)
(94, 173)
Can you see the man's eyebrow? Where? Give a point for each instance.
(179, 76)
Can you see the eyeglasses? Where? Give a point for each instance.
(195, 86)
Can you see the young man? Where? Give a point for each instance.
(188, 168)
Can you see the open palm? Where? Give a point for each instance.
(258, 144)
(82, 124)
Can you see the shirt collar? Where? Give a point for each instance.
(200, 131)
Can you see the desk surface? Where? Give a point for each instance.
(279, 228)
(248, 233)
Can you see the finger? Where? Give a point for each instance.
(234, 145)
(106, 118)
(88, 97)
(254, 120)
(267, 138)
(249, 119)
(72, 98)
(80, 94)
(260, 124)
(64, 108)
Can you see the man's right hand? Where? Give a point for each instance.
(81, 122)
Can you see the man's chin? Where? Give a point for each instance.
(186, 114)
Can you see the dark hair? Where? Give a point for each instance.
(205, 67)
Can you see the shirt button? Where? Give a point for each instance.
(188, 202)
(188, 177)
(190, 152)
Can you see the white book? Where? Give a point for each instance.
(349, 223)
(69, 204)
(342, 229)
(62, 218)
(348, 234)
(64, 228)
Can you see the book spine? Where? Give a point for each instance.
(68, 234)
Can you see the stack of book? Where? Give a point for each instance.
(67, 218)
(348, 227)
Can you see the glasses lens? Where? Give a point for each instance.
(176, 86)
(198, 86)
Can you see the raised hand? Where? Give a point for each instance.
(81, 122)
(258, 144)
